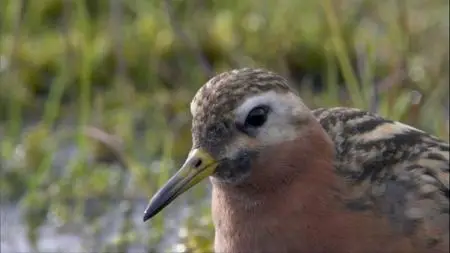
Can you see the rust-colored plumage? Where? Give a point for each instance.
(288, 179)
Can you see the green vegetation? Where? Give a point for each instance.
(130, 68)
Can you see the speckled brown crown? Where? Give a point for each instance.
(214, 102)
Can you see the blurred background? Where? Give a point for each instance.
(94, 98)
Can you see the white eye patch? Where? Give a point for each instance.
(284, 107)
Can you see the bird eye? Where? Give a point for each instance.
(257, 117)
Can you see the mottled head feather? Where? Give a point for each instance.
(213, 105)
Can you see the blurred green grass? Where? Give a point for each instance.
(130, 68)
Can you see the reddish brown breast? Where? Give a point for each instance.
(293, 202)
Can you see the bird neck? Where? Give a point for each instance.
(280, 166)
(291, 180)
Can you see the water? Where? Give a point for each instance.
(56, 237)
(14, 235)
(78, 235)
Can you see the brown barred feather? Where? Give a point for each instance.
(395, 169)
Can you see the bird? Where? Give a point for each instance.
(286, 178)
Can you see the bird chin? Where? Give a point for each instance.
(235, 171)
(226, 178)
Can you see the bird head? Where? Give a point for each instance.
(236, 116)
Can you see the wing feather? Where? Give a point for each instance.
(393, 168)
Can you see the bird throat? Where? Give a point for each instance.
(237, 170)
(289, 180)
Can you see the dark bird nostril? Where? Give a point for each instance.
(197, 163)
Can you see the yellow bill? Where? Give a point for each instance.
(198, 165)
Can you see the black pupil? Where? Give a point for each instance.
(257, 117)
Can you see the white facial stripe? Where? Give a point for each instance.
(280, 103)
(193, 107)
(284, 108)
